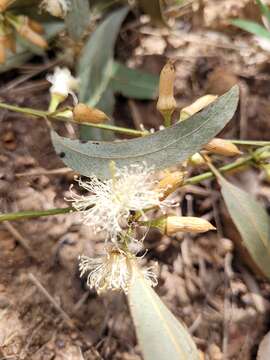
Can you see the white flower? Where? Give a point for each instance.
(112, 272)
(108, 204)
(57, 8)
(63, 83)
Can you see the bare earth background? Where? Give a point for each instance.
(202, 279)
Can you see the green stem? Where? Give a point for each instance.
(226, 168)
(250, 142)
(167, 119)
(46, 114)
(191, 181)
(34, 213)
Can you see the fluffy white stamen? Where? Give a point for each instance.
(108, 204)
(63, 83)
(57, 8)
(112, 272)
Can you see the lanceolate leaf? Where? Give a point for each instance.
(252, 27)
(161, 149)
(78, 18)
(134, 83)
(161, 336)
(95, 65)
(252, 222)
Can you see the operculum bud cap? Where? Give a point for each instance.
(187, 224)
(87, 114)
(222, 147)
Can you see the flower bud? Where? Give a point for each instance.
(36, 26)
(197, 106)
(222, 147)
(25, 31)
(187, 224)
(170, 183)
(262, 154)
(4, 4)
(166, 102)
(87, 114)
(196, 160)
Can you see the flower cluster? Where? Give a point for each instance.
(112, 271)
(108, 204)
(114, 207)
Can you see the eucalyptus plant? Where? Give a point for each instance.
(125, 187)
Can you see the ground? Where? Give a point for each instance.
(46, 310)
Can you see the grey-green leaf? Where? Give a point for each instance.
(78, 18)
(96, 63)
(252, 27)
(161, 336)
(161, 149)
(134, 83)
(252, 222)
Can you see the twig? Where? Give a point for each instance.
(63, 170)
(34, 213)
(41, 288)
(226, 168)
(255, 292)
(191, 181)
(21, 240)
(47, 115)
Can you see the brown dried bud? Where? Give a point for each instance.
(170, 183)
(166, 102)
(187, 224)
(87, 114)
(25, 31)
(36, 26)
(222, 147)
(197, 106)
(4, 4)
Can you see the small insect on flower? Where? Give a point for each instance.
(63, 83)
(108, 204)
(112, 272)
(57, 8)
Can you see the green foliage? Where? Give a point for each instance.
(252, 222)
(162, 149)
(96, 62)
(133, 83)
(78, 18)
(161, 336)
(252, 27)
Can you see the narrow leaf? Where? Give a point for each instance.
(78, 18)
(161, 336)
(252, 222)
(252, 27)
(95, 64)
(161, 149)
(133, 83)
